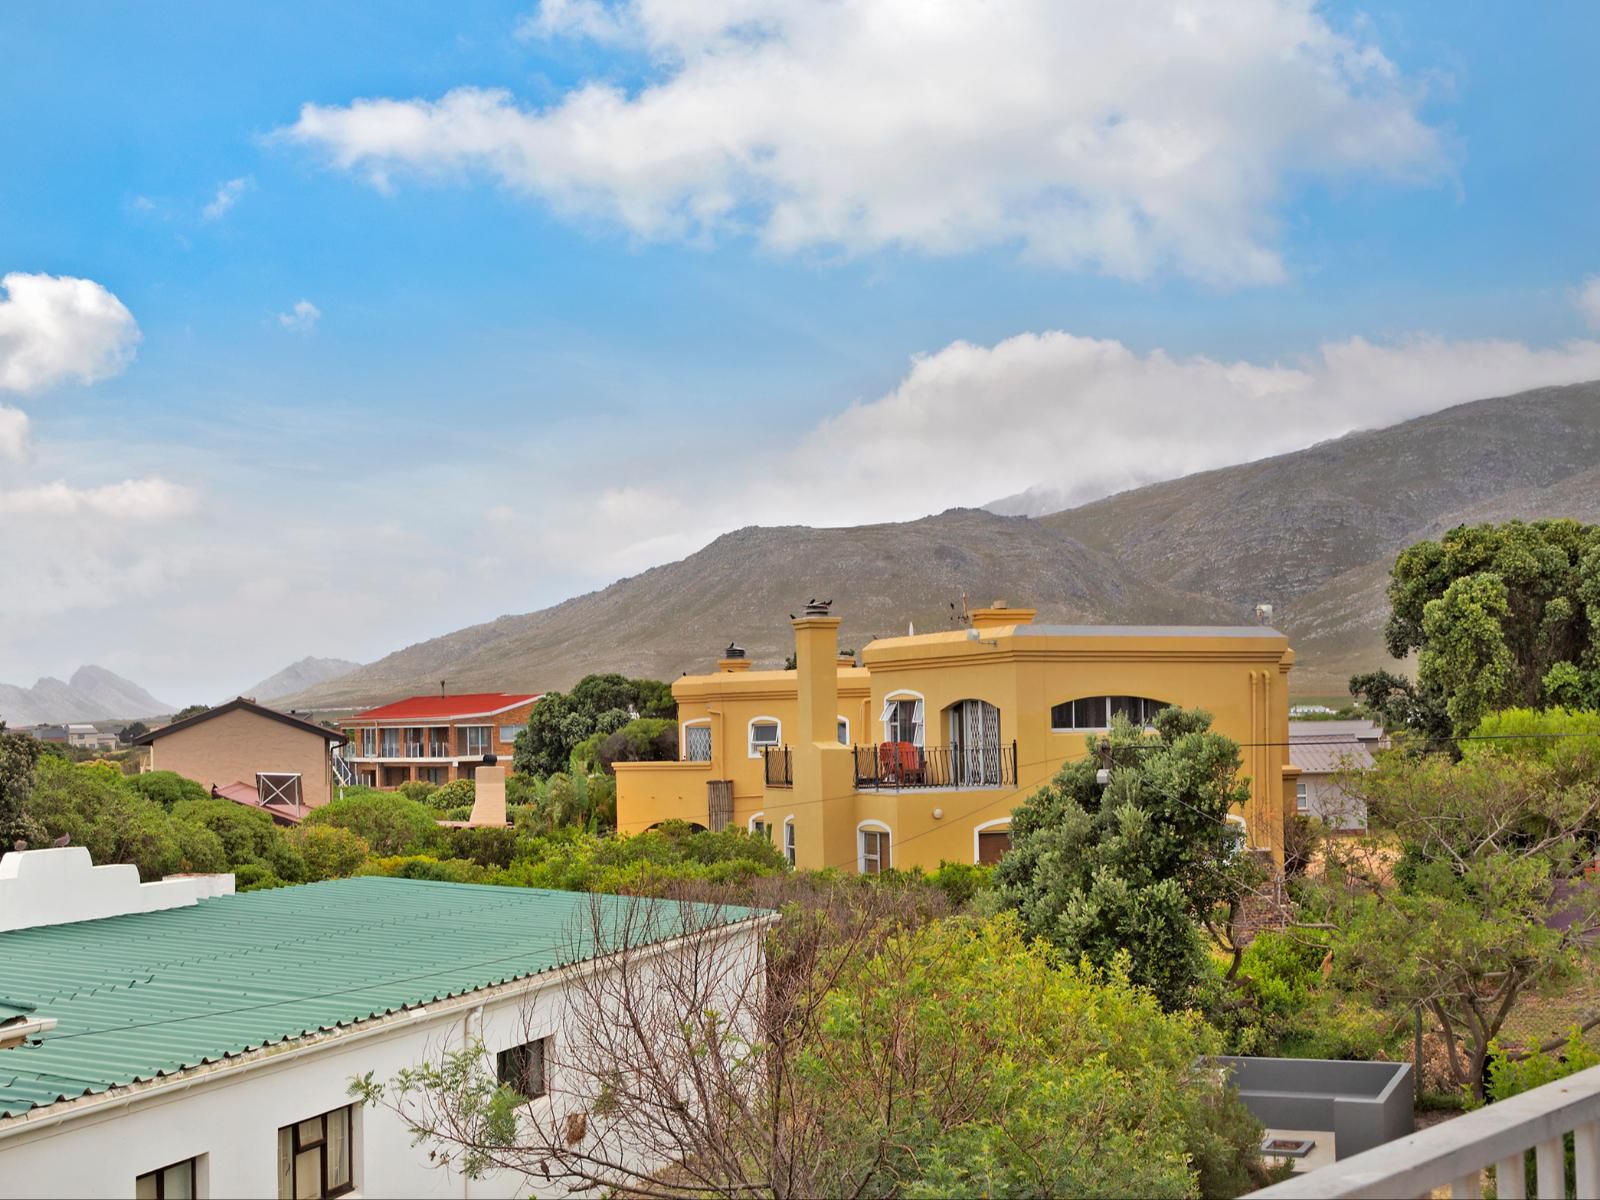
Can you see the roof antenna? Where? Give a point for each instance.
(441, 689)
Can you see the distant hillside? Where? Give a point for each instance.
(743, 586)
(92, 694)
(1312, 533)
(297, 677)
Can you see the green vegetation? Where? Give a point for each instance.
(597, 704)
(1500, 615)
(1146, 864)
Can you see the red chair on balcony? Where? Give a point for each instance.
(899, 763)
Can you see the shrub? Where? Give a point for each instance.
(458, 793)
(248, 834)
(166, 788)
(386, 821)
(254, 877)
(418, 790)
(328, 851)
(644, 740)
(423, 866)
(486, 845)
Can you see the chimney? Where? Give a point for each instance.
(816, 658)
(999, 614)
(733, 659)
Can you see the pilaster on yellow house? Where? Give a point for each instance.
(920, 754)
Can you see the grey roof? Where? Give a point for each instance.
(1334, 731)
(1227, 631)
(1325, 758)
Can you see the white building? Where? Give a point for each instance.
(1323, 750)
(189, 1043)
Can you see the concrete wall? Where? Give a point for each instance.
(239, 744)
(57, 886)
(1363, 1104)
(231, 1114)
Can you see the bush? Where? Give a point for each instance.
(423, 866)
(386, 821)
(254, 877)
(418, 790)
(487, 846)
(458, 793)
(328, 851)
(644, 740)
(166, 788)
(248, 834)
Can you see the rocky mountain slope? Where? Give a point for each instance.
(1312, 533)
(297, 677)
(743, 586)
(92, 694)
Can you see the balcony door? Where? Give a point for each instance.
(974, 737)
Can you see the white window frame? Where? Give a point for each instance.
(755, 747)
(515, 729)
(759, 818)
(977, 829)
(861, 847)
(683, 738)
(789, 851)
(369, 742)
(1302, 796)
(919, 717)
(488, 740)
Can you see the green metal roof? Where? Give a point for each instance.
(149, 994)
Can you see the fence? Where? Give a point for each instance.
(897, 765)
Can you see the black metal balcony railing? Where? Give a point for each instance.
(779, 765)
(895, 765)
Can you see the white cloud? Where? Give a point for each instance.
(302, 318)
(1589, 300)
(13, 434)
(227, 196)
(56, 328)
(1120, 136)
(132, 500)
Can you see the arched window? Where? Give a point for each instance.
(759, 826)
(902, 718)
(1096, 712)
(872, 848)
(990, 840)
(765, 732)
(788, 838)
(973, 738)
(697, 740)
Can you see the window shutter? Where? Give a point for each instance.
(917, 724)
(887, 715)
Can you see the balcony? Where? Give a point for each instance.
(778, 764)
(894, 766)
(1502, 1136)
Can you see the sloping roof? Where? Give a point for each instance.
(1334, 731)
(1324, 758)
(147, 995)
(235, 705)
(444, 708)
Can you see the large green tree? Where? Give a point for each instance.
(597, 704)
(1141, 864)
(1501, 615)
(19, 759)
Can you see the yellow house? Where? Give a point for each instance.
(919, 754)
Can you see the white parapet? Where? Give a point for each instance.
(61, 885)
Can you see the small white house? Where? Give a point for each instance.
(174, 1041)
(1324, 750)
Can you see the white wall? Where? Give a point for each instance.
(233, 1116)
(57, 886)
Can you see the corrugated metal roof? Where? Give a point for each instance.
(149, 994)
(1324, 758)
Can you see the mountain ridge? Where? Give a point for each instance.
(91, 694)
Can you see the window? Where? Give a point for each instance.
(432, 774)
(788, 840)
(844, 731)
(902, 720)
(275, 787)
(760, 829)
(475, 740)
(508, 734)
(369, 743)
(1096, 712)
(764, 732)
(992, 844)
(874, 851)
(389, 743)
(367, 778)
(169, 1183)
(314, 1157)
(1302, 801)
(521, 1068)
(697, 742)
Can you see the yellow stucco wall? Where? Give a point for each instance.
(1239, 675)
(237, 745)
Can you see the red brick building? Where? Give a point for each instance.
(434, 738)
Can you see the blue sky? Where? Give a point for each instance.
(692, 265)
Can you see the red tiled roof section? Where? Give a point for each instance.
(444, 708)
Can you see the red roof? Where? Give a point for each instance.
(443, 708)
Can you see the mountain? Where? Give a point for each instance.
(297, 677)
(92, 694)
(743, 586)
(1313, 533)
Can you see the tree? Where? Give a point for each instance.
(869, 1056)
(386, 821)
(191, 710)
(1142, 863)
(1398, 705)
(128, 733)
(1501, 615)
(19, 759)
(166, 788)
(560, 721)
(328, 851)
(644, 740)
(1494, 851)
